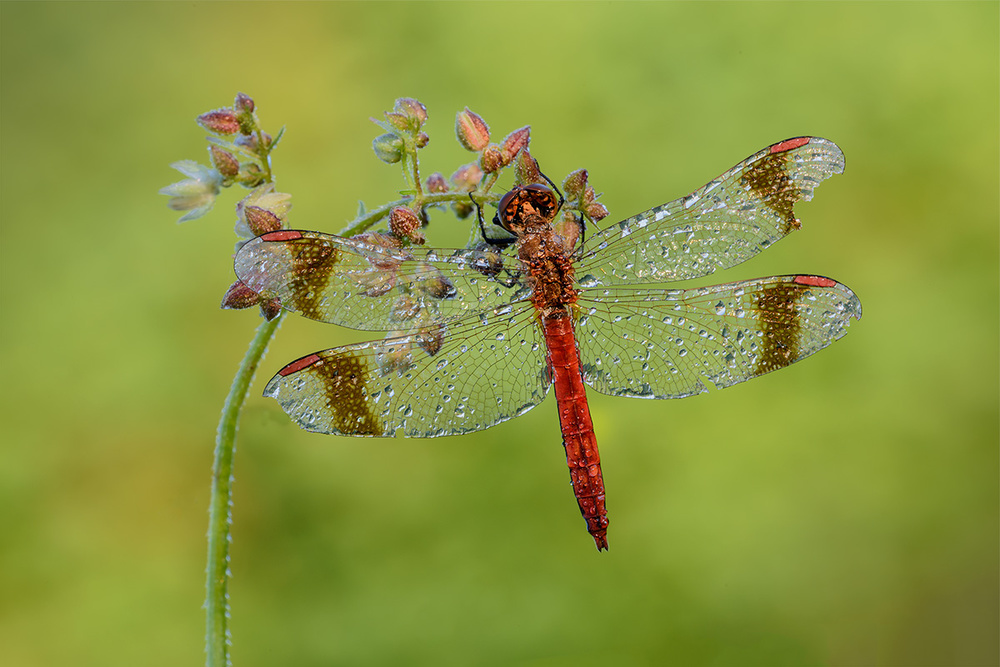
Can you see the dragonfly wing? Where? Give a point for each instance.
(459, 376)
(667, 343)
(726, 222)
(361, 284)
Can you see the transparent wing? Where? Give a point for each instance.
(460, 376)
(726, 222)
(667, 343)
(362, 284)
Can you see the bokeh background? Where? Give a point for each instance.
(841, 512)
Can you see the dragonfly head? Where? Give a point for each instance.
(526, 204)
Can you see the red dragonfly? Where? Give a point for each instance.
(477, 336)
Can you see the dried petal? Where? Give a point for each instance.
(472, 131)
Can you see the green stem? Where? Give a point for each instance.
(220, 507)
(370, 218)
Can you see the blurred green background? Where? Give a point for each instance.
(841, 512)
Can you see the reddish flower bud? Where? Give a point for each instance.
(597, 211)
(412, 109)
(239, 296)
(220, 121)
(270, 308)
(405, 224)
(224, 161)
(388, 148)
(261, 221)
(492, 159)
(574, 184)
(514, 142)
(243, 103)
(467, 177)
(436, 183)
(473, 132)
(422, 139)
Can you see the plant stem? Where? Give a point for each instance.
(370, 218)
(220, 507)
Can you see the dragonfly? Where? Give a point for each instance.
(477, 336)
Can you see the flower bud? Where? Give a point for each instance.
(388, 148)
(526, 168)
(422, 139)
(261, 211)
(574, 184)
(467, 177)
(412, 109)
(243, 103)
(514, 142)
(596, 211)
(249, 141)
(239, 296)
(224, 161)
(430, 339)
(436, 183)
(220, 121)
(473, 132)
(491, 159)
(405, 224)
(270, 308)
(462, 209)
(251, 175)
(398, 120)
(261, 221)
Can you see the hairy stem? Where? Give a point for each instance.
(369, 218)
(220, 507)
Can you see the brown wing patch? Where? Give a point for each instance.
(769, 181)
(312, 263)
(344, 377)
(780, 326)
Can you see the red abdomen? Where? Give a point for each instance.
(577, 428)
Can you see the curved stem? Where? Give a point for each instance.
(220, 507)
